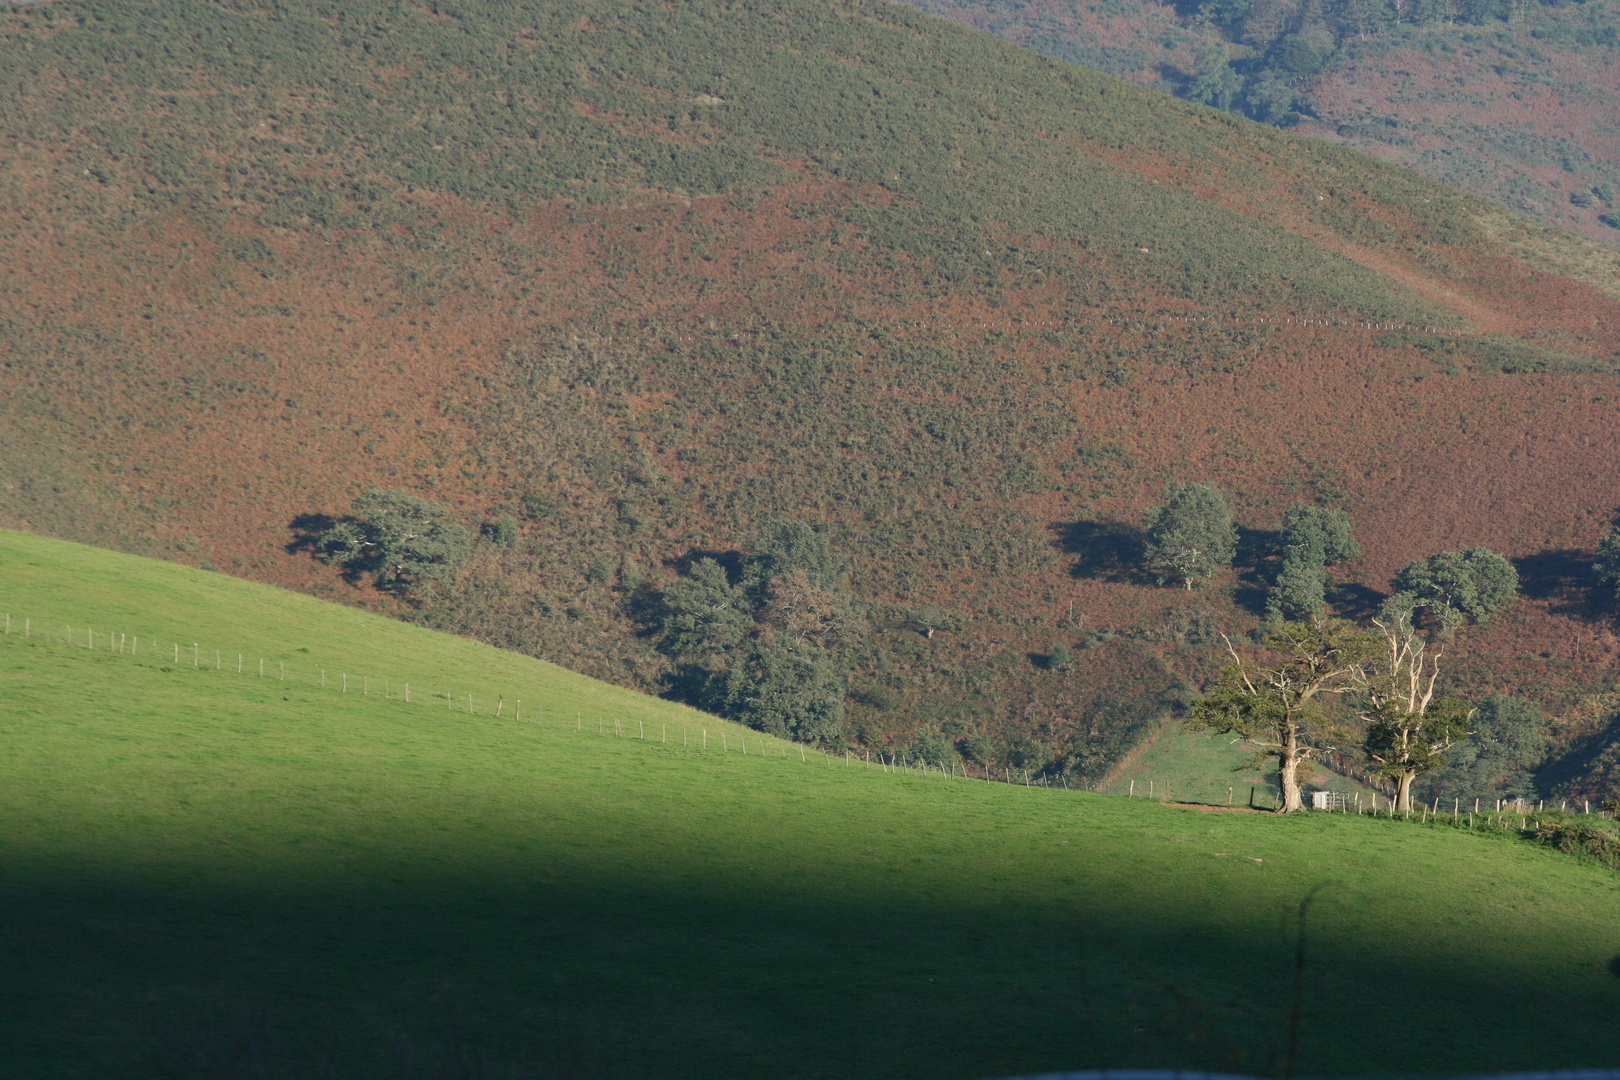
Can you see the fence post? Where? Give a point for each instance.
(193, 654)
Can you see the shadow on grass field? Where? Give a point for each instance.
(209, 875)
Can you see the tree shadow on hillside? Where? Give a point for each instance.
(1253, 564)
(1354, 601)
(1107, 550)
(1564, 576)
(307, 530)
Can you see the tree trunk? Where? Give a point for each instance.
(1403, 791)
(1288, 773)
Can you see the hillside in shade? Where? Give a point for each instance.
(627, 283)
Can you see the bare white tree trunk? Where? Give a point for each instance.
(1288, 772)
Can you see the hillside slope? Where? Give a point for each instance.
(1509, 101)
(211, 874)
(643, 280)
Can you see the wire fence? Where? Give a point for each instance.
(390, 689)
(385, 688)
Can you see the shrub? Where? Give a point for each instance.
(1579, 838)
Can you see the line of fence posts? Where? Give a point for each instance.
(125, 644)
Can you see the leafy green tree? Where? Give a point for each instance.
(929, 747)
(782, 547)
(1276, 707)
(501, 531)
(1325, 534)
(1216, 83)
(1408, 729)
(787, 688)
(1311, 538)
(705, 614)
(1508, 740)
(1191, 537)
(1455, 586)
(1300, 591)
(769, 648)
(402, 541)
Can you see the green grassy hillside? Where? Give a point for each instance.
(206, 874)
(1210, 769)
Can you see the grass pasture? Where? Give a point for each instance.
(208, 875)
(1210, 769)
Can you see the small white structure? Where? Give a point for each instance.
(1329, 800)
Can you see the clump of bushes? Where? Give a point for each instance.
(1580, 838)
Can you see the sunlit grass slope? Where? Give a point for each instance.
(1211, 769)
(203, 874)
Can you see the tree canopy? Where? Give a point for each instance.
(1191, 537)
(1311, 538)
(769, 645)
(401, 540)
(1607, 564)
(1455, 586)
(1507, 742)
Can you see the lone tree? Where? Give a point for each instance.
(1311, 539)
(1191, 537)
(1408, 729)
(402, 541)
(1277, 708)
(1455, 586)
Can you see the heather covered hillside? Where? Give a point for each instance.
(827, 327)
(1512, 100)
